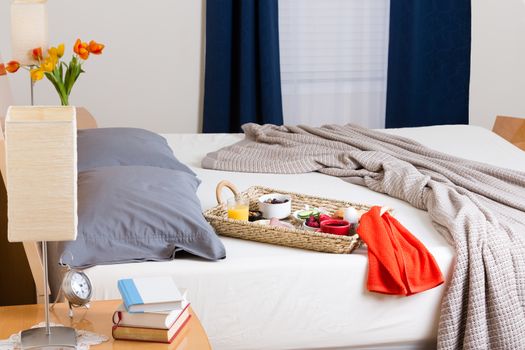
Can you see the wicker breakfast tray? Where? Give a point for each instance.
(297, 238)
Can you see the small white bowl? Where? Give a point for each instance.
(279, 211)
(309, 228)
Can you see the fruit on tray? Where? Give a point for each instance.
(254, 215)
(339, 214)
(276, 201)
(312, 222)
(305, 214)
(323, 217)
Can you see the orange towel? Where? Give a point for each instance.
(398, 263)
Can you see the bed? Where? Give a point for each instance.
(270, 297)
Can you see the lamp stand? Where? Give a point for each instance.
(32, 92)
(43, 337)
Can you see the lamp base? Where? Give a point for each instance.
(59, 337)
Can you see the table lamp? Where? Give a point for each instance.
(41, 178)
(29, 30)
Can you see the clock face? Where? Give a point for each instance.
(80, 285)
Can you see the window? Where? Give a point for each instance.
(334, 56)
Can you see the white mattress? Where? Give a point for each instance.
(270, 297)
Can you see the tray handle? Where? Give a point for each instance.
(230, 186)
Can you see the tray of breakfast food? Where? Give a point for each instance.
(289, 219)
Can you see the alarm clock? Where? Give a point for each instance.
(76, 288)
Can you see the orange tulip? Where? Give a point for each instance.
(37, 54)
(12, 66)
(2, 69)
(95, 48)
(81, 49)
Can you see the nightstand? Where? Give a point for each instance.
(98, 319)
(84, 119)
(511, 129)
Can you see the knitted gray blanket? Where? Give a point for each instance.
(479, 209)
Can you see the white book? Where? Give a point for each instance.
(150, 294)
(158, 320)
(153, 334)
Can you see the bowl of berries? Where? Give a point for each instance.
(313, 223)
(275, 205)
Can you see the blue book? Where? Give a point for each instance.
(150, 294)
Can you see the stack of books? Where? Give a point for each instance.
(153, 309)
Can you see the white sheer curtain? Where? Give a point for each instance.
(334, 56)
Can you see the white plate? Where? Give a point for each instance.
(267, 223)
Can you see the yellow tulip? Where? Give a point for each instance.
(57, 52)
(37, 74)
(54, 59)
(60, 50)
(49, 64)
(52, 51)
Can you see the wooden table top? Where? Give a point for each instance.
(98, 319)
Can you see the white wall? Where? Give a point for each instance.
(497, 85)
(150, 75)
(5, 94)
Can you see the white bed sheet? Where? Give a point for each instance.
(269, 297)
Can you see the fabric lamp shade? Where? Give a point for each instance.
(29, 29)
(41, 173)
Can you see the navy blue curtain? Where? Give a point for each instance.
(242, 75)
(428, 62)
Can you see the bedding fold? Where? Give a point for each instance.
(478, 208)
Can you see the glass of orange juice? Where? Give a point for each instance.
(238, 208)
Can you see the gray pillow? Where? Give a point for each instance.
(124, 146)
(137, 213)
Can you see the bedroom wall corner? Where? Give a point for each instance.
(497, 84)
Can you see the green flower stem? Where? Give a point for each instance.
(64, 100)
(63, 83)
